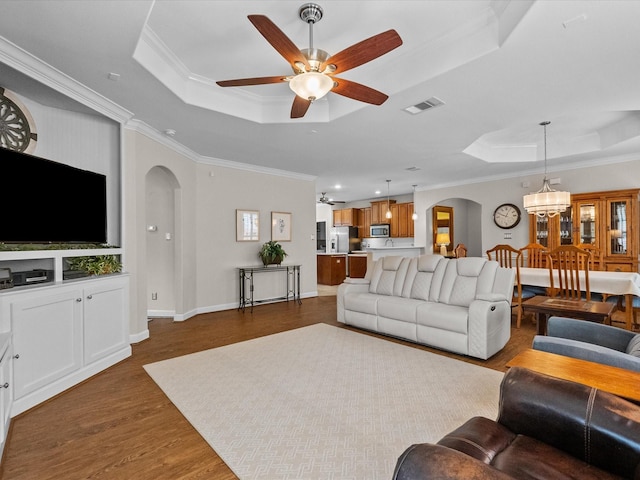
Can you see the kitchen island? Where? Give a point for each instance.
(332, 268)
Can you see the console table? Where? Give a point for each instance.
(245, 276)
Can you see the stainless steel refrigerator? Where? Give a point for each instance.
(346, 239)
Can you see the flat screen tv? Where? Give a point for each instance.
(49, 202)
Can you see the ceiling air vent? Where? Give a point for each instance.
(426, 105)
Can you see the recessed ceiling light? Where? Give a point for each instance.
(169, 132)
(338, 186)
(377, 192)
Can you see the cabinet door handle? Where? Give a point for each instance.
(6, 385)
(89, 297)
(78, 300)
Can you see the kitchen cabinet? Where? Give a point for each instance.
(379, 211)
(357, 266)
(346, 217)
(394, 221)
(410, 220)
(332, 269)
(608, 220)
(63, 334)
(401, 221)
(366, 222)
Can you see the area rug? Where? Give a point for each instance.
(322, 402)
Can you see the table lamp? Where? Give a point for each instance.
(443, 240)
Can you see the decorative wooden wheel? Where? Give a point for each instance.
(16, 126)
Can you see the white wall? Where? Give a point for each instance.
(492, 194)
(89, 142)
(207, 253)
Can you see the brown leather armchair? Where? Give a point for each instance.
(547, 428)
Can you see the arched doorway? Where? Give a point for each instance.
(162, 223)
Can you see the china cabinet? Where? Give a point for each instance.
(607, 220)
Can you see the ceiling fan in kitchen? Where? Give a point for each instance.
(314, 69)
(327, 201)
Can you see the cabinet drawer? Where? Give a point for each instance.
(619, 267)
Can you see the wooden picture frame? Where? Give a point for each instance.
(247, 225)
(281, 226)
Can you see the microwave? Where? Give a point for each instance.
(379, 231)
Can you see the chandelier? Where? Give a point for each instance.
(546, 201)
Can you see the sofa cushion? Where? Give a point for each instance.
(398, 308)
(362, 302)
(445, 317)
(388, 275)
(634, 346)
(424, 276)
(461, 281)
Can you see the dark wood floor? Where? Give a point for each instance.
(119, 424)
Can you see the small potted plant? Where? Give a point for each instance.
(272, 253)
(96, 265)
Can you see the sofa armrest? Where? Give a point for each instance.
(586, 351)
(493, 297)
(489, 326)
(589, 332)
(357, 281)
(596, 427)
(426, 460)
(350, 285)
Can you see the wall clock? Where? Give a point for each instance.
(17, 129)
(507, 215)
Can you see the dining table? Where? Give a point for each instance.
(606, 282)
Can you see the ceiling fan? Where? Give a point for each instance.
(314, 69)
(327, 201)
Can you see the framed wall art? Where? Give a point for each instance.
(247, 225)
(281, 226)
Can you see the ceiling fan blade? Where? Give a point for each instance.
(357, 91)
(251, 81)
(299, 107)
(278, 39)
(364, 51)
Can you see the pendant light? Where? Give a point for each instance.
(546, 201)
(414, 215)
(388, 214)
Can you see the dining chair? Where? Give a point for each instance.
(621, 303)
(460, 251)
(569, 261)
(509, 257)
(595, 260)
(534, 255)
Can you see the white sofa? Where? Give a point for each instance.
(461, 305)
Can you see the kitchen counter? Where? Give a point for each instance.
(400, 250)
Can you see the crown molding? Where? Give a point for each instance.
(28, 64)
(150, 132)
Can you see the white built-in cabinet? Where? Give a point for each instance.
(6, 387)
(55, 335)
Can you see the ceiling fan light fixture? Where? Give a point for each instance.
(311, 85)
